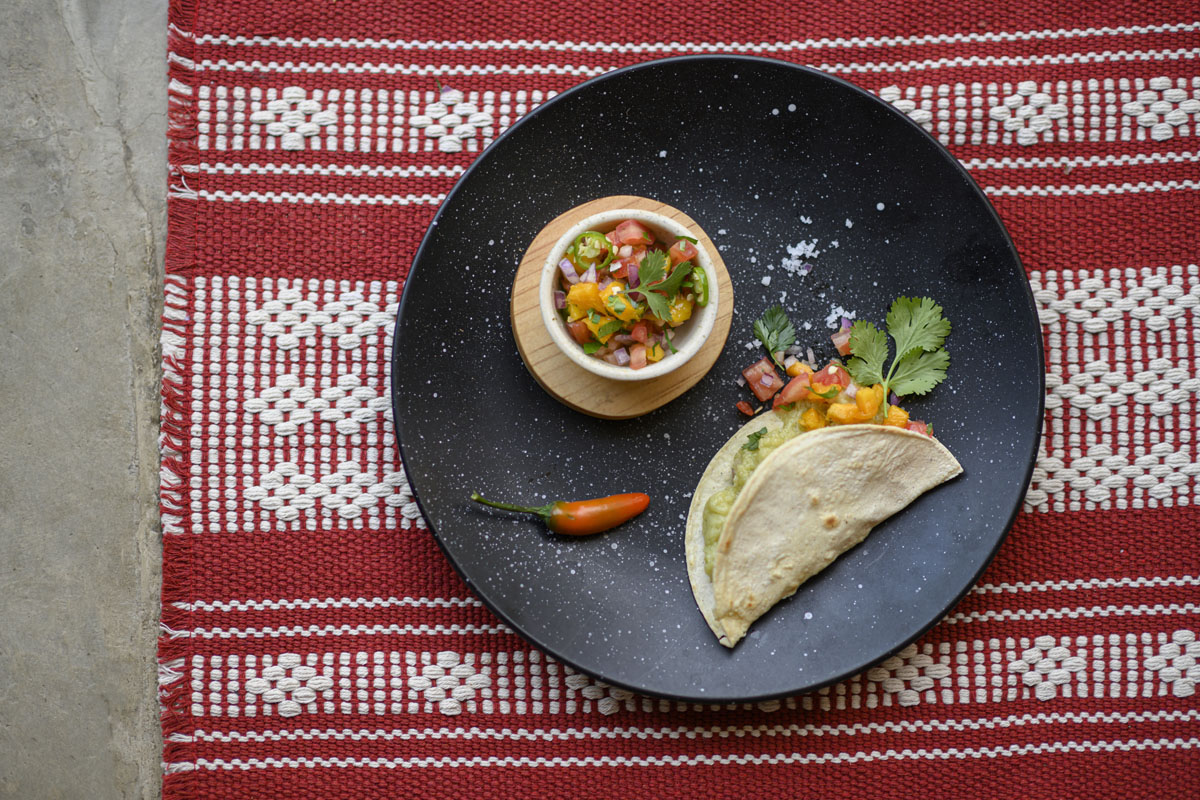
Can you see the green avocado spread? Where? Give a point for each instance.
(745, 461)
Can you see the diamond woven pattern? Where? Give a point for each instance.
(316, 643)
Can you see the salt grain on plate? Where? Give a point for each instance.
(797, 254)
(834, 320)
(766, 280)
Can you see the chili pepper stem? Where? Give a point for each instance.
(541, 510)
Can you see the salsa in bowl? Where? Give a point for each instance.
(628, 294)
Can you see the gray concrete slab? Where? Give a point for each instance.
(82, 215)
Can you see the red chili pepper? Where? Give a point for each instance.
(581, 517)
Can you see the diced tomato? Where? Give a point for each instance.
(637, 356)
(579, 331)
(841, 340)
(833, 373)
(762, 379)
(917, 426)
(633, 232)
(681, 251)
(611, 236)
(640, 332)
(745, 408)
(796, 389)
(639, 254)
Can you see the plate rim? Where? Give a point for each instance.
(955, 165)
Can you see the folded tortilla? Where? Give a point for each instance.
(812, 499)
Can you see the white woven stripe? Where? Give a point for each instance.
(700, 732)
(936, 753)
(1072, 162)
(471, 602)
(354, 120)
(330, 603)
(333, 198)
(443, 170)
(527, 682)
(347, 630)
(322, 198)
(656, 47)
(326, 170)
(1124, 370)
(324, 452)
(579, 71)
(1090, 189)
(1085, 583)
(1076, 612)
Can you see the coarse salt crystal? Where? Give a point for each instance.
(834, 320)
(766, 280)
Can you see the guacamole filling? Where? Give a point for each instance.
(716, 510)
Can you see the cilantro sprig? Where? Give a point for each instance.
(657, 286)
(919, 330)
(752, 440)
(775, 331)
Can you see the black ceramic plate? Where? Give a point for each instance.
(765, 156)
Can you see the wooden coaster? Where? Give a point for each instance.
(575, 386)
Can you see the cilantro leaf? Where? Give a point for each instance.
(591, 347)
(919, 330)
(653, 267)
(870, 348)
(775, 331)
(919, 371)
(752, 439)
(659, 305)
(656, 286)
(671, 285)
(916, 323)
(615, 304)
(608, 328)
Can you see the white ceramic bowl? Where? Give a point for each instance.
(689, 337)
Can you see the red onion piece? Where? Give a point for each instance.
(623, 338)
(893, 399)
(560, 299)
(767, 380)
(632, 276)
(589, 276)
(852, 390)
(622, 356)
(847, 323)
(604, 283)
(568, 270)
(625, 251)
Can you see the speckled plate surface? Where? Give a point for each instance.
(770, 158)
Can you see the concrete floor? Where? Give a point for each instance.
(82, 210)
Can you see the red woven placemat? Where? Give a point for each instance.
(315, 641)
